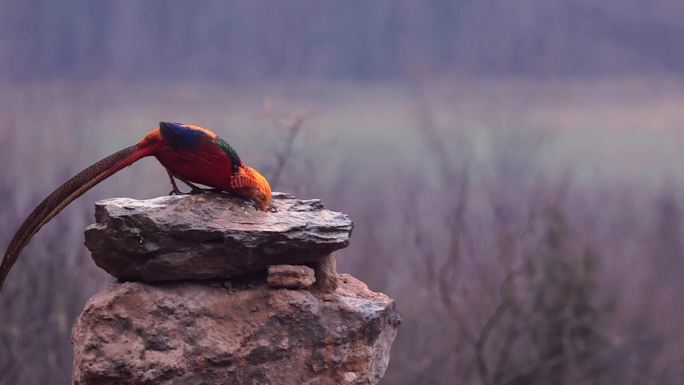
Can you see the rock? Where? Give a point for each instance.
(210, 235)
(290, 276)
(193, 333)
(326, 274)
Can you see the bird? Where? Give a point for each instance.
(190, 153)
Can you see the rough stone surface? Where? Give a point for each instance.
(195, 333)
(210, 235)
(290, 276)
(326, 273)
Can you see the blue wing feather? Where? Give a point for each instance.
(179, 137)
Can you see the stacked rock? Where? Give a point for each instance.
(212, 291)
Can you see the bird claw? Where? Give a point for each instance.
(198, 190)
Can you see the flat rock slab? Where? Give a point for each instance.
(195, 333)
(210, 235)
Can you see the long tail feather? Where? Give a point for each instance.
(65, 194)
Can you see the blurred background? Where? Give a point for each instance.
(512, 166)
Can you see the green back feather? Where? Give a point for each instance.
(230, 151)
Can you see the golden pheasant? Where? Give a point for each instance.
(189, 153)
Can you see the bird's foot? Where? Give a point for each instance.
(198, 190)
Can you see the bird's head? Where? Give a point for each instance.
(255, 187)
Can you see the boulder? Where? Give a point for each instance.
(244, 333)
(212, 235)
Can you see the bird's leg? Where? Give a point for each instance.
(175, 190)
(195, 189)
